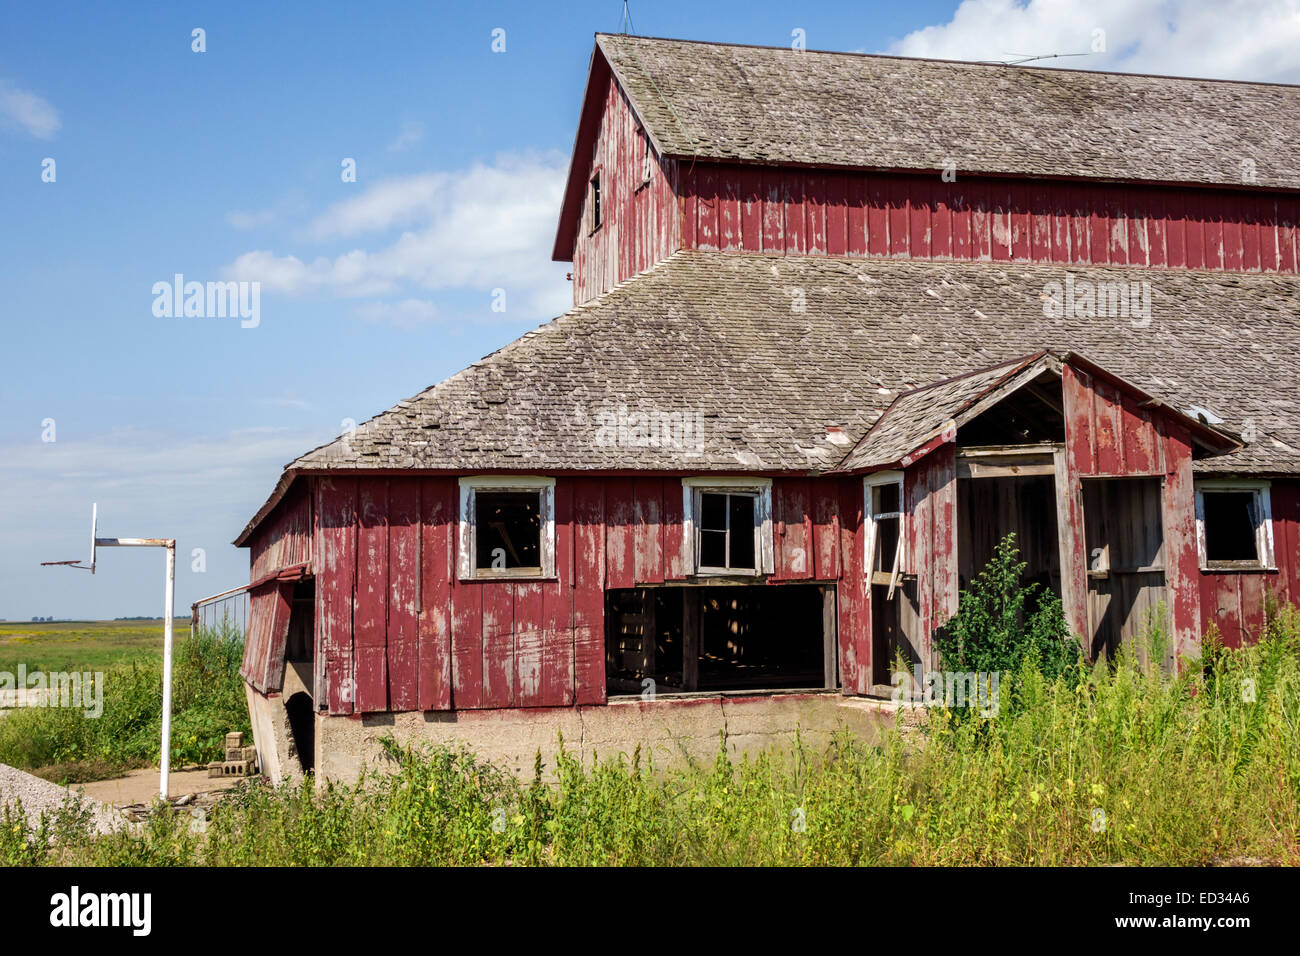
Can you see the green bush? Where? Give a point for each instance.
(1002, 625)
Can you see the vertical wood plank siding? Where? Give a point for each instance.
(1109, 434)
(283, 540)
(397, 631)
(790, 211)
(1235, 602)
(838, 213)
(640, 221)
(930, 494)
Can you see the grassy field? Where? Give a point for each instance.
(80, 645)
(1104, 765)
(66, 744)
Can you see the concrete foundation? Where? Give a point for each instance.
(672, 730)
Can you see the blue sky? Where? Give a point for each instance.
(226, 164)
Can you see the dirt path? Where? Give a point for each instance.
(141, 786)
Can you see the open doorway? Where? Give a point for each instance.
(726, 638)
(302, 730)
(299, 654)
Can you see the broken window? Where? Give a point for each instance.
(595, 202)
(647, 160)
(509, 532)
(726, 531)
(884, 520)
(1234, 525)
(507, 528)
(731, 526)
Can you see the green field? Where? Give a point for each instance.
(73, 743)
(81, 645)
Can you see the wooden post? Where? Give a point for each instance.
(690, 638)
(649, 632)
(830, 637)
(1073, 551)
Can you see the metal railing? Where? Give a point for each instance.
(228, 608)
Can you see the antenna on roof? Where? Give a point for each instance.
(1031, 59)
(626, 26)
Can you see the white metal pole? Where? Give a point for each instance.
(167, 668)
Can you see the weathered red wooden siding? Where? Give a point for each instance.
(283, 541)
(853, 604)
(335, 566)
(930, 493)
(792, 529)
(397, 631)
(263, 665)
(823, 212)
(437, 562)
(1182, 562)
(284, 538)
(1109, 434)
(1234, 602)
(640, 222)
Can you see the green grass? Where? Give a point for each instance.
(1113, 765)
(65, 745)
(80, 645)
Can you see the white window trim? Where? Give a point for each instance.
(647, 160)
(692, 488)
(869, 518)
(1263, 531)
(467, 540)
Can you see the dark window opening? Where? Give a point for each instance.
(508, 530)
(886, 505)
(683, 639)
(595, 202)
(300, 644)
(1230, 521)
(887, 553)
(727, 531)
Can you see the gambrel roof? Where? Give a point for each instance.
(781, 106)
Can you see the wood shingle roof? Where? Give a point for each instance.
(729, 362)
(782, 106)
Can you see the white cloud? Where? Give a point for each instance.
(1246, 39)
(407, 314)
(289, 207)
(28, 111)
(486, 227)
(412, 132)
(198, 488)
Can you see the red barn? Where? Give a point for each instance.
(840, 323)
